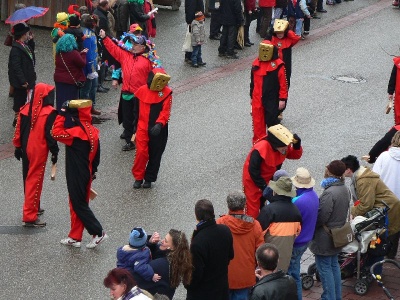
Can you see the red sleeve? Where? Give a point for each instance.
(293, 153)
(293, 37)
(166, 111)
(59, 133)
(17, 133)
(113, 49)
(283, 88)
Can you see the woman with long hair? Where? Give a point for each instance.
(171, 260)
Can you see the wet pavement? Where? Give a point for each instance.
(210, 136)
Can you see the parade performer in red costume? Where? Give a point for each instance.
(32, 141)
(267, 156)
(394, 89)
(152, 115)
(73, 127)
(268, 89)
(284, 39)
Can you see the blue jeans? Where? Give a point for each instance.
(329, 272)
(294, 267)
(88, 91)
(196, 55)
(299, 26)
(240, 294)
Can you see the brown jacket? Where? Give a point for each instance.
(247, 237)
(371, 191)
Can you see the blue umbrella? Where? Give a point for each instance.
(26, 13)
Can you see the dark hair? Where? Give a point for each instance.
(119, 276)
(103, 3)
(267, 256)
(180, 259)
(204, 210)
(351, 162)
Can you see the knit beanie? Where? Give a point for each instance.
(336, 168)
(138, 237)
(278, 174)
(74, 20)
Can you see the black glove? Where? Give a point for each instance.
(156, 129)
(64, 109)
(296, 142)
(54, 158)
(94, 176)
(18, 153)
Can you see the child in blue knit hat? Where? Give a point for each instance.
(135, 256)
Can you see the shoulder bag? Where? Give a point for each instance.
(341, 236)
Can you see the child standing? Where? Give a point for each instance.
(297, 11)
(136, 256)
(198, 38)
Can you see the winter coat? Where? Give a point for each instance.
(21, 66)
(231, 13)
(371, 191)
(282, 221)
(247, 236)
(198, 33)
(266, 3)
(212, 250)
(135, 68)
(388, 167)
(137, 15)
(103, 20)
(307, 202)
(191, 7)
(121, 15)
(72, 70)
(333, 209)
(275, 286)
(135, 261)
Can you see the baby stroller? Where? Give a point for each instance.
(370, 233)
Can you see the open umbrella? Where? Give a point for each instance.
(26, 13)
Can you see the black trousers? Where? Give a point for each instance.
(228, 39)
(156, 149)
(19, 99)
(215, 23)
(128, 117)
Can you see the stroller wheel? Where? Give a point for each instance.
(307, 282)
(312, 269)
(361, 287)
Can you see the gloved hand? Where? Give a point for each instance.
(18, 153)
(156, 129)
(94, 176)
(296, 142)
(54, 158)
(64, 108)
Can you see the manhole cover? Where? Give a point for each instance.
(349, 79)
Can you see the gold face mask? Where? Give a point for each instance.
(80, 103)
(280, 25)
(265, 52)
(282, 133)
(159, 82)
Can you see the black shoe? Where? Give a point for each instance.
(247, 44)
(100, 89)
(137, 184)
(322, 10)
(202, 64)
(36, 223)
(122, 136)
(195, 65)
(106, 88)
(128, 147)
(215, 37)
(233, 56)
(237, 47)
(147, 184)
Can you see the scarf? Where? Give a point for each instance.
(327, 182)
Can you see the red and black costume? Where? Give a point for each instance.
(153, 111)
(394, 87)
(284, 46)
(82, 157)
(267, 87)
(259, 167)
(33, 141)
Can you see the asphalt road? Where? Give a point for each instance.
(210, 136)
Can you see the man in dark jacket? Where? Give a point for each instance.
(121, 15)
(21, 67)
(212, 249)
(273, 284)
(231, 17)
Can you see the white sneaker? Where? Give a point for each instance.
(71, 242)
(96, 240)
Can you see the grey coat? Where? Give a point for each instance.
(333, 208)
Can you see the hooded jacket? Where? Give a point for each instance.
(247, 237)
(371, 191)
(388, 167)
(135, 261)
